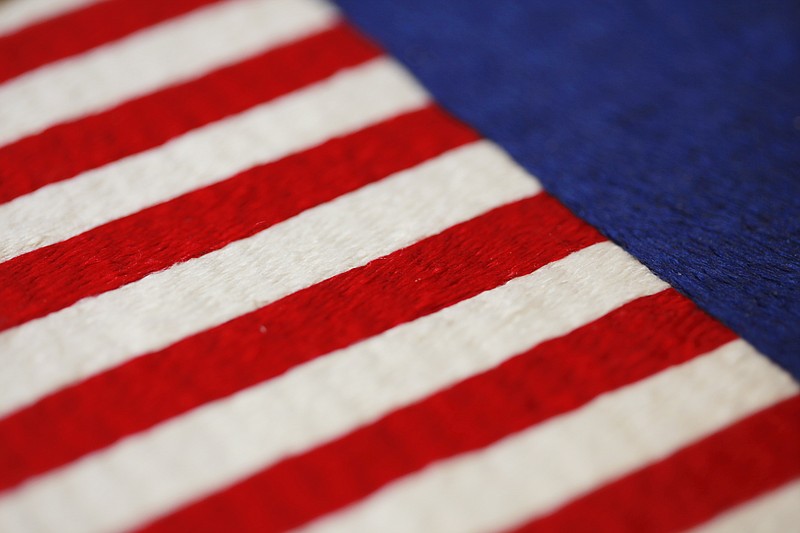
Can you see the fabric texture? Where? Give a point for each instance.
(254, 276)
(672, 126)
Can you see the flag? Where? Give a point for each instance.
(272, 265)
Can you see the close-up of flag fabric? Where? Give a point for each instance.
(399, 266)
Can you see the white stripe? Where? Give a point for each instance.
(16, 14)
(189, 456)
(99, 332)
(536, 470)
(349, 101)
(775, 512)
(167, 53)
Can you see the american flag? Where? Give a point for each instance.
(253, 277)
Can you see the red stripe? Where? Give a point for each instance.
(637, 340)
(78, 31)
(127, 249)
(68, 149)
(739, 463)
(430, 275)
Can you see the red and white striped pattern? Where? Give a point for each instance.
(252, 278)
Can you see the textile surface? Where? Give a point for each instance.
(272, 265)
(672, 126)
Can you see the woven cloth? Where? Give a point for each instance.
(452, 266)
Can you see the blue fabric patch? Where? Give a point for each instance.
(671, 125)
